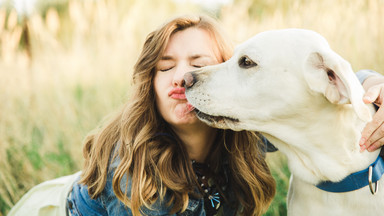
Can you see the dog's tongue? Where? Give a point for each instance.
(190, 107)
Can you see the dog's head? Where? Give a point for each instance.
(274, 75)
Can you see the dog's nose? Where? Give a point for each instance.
(189, 80)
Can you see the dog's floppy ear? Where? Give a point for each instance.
(331, 75)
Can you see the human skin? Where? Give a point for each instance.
(373, 133)
(186, 51)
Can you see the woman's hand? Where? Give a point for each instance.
(373, 134)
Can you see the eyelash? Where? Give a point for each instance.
(245, 62)
(167, 69)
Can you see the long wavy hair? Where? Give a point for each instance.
(159, 165)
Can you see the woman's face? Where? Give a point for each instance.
(186, 51)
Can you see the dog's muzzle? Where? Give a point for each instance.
(189, 80)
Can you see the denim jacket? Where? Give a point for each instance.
(80, 203)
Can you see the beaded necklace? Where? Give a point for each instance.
(211, 193)
(208, 182)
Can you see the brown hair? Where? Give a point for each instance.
(158, 164)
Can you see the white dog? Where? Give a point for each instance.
(304, 98)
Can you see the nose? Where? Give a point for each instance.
(189, 80)
(178, 76)
(178, 82)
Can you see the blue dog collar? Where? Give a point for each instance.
(357, 180)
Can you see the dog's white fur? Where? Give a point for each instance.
(306, 100)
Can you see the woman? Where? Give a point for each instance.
(156, 158)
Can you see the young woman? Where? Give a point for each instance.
(156, 158)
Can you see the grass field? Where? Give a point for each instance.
(64, 69)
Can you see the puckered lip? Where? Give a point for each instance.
(177, 93)
(214, 119)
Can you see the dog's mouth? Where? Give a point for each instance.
(215, 120)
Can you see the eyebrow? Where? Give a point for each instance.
(193, 57)
(166, 58)
(200, 56)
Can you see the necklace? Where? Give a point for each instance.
(211, 194)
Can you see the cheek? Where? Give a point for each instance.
(158, 84)
(162, 80)
(160, 89)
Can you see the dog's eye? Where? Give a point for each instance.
(246, 62)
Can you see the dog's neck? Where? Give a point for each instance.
(311, 148)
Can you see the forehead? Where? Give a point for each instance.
(192, 41)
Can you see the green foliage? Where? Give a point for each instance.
(62, 158)
(32, 150)
(281, 175)
(3, 206)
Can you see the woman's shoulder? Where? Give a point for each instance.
(79, 201)
(106, 203)
(268, 146)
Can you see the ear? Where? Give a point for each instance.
(331, 75)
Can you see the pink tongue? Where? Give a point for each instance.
(190, 107)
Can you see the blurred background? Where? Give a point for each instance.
(66, 64)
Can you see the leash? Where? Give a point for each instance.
(357, 180)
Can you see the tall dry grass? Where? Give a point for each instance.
(63, 70)
(354, 29)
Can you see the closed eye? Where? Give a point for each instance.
(245, 62)
(197, 66)
(166, 69)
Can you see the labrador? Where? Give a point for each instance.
(304, 98)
